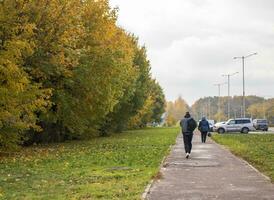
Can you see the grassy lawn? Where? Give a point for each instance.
(115, 167)
(257, 149)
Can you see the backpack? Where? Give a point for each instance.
(191, 125)
(204, 126)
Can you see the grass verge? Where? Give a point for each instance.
(115, 167)
(257, 149)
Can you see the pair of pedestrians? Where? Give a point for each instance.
(188, 125)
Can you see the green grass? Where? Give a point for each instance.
(257, 149)
(115, 167)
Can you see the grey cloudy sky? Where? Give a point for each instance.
(191, 43)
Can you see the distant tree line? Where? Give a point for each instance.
(263, 110)
(208, 106)
(67, 71)
(256, 107)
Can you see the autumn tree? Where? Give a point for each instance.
(153, 108)
(176, 110)
(85, 58)
(180, 108)
(135, 95)
(20, 100)
(69, 71)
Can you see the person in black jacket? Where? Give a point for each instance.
(187, 131)
(204, 128)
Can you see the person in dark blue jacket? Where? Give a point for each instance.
(204, 128)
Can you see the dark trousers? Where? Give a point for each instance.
(188, 141)
(203, 136)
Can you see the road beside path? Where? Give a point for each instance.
(212, 172)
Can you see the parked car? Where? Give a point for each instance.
(243, 125)
(260, 124)
(218, 123)
(211, 126)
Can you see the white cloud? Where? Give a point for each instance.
(192, 42)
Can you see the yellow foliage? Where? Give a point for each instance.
(143, 115)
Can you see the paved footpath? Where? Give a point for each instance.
(212, 172)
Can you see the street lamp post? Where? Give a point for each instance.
(228, 91)
(219, 93)
(243, 63)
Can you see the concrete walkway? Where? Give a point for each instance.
(211, 173)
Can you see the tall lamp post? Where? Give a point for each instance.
(228, 91)
(243, 62)
(219, 93)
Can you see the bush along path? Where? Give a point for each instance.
(212, 172)
(115, 167)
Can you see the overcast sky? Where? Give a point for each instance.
(191, 43)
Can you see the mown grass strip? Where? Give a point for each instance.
(257, 149)
(115, 167)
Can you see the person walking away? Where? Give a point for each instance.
(203, 128)
(188, 125)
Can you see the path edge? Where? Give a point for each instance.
(150, 184)
(242, 160)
